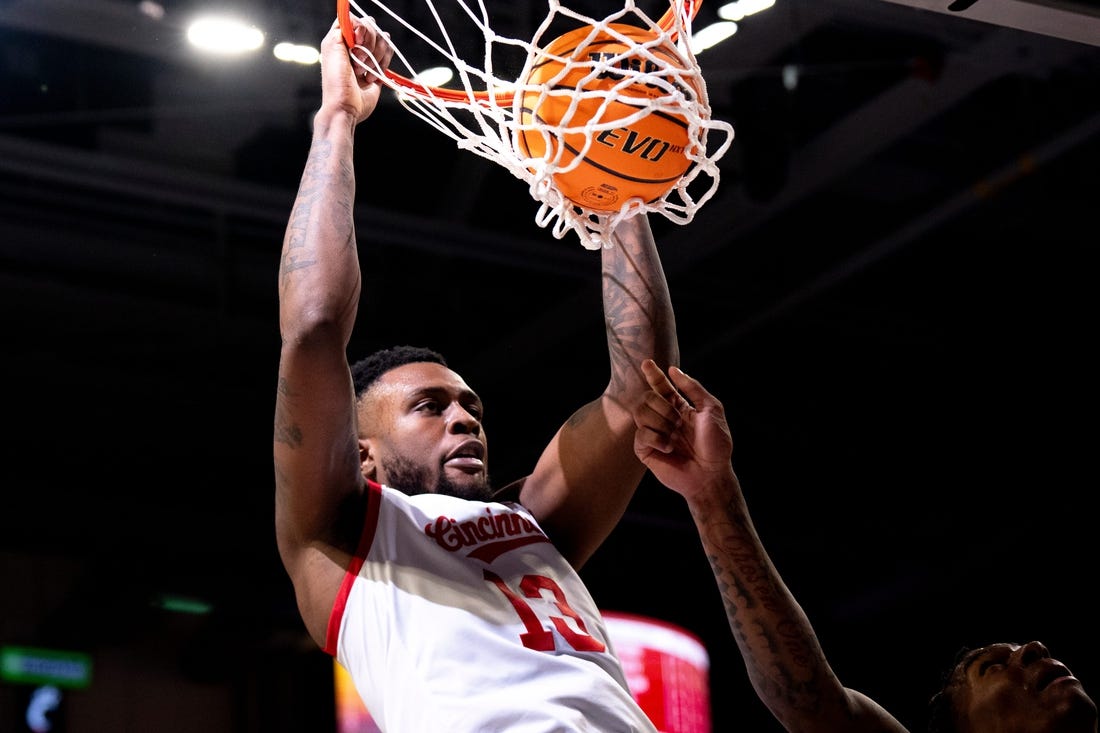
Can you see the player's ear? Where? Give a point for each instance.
(367, 463)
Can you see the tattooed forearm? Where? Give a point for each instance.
(320, 194)
(288, 434)
(637, 310)
(286, 431)
(781, 655)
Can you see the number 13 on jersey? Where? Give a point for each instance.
(537, 637)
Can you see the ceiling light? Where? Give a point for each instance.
(738, 9)
(711, 35)
(791, 76)
(296, 53)
(224, 35)
(436, 76)
(151, 9)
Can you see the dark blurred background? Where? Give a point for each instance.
(891, 292)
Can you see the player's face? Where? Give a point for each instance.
(426, 433)
(1009, 688)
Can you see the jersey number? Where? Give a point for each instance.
(537, 637)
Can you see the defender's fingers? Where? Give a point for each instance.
(655, 415)
(647, 439)
(659, 382)
(690, 387)
(655, 376)
(658, 412)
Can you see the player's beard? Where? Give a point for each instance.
(411, 478)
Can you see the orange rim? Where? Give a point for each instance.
(343, 14)
(691, 7)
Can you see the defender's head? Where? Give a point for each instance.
(1011, 688)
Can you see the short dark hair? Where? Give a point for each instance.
(367, 370)
(941, 708)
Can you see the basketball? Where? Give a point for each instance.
(643, 158)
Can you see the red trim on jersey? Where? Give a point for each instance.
(366, 539)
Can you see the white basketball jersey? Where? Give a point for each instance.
(460, 616)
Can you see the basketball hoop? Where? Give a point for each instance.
(603, 121)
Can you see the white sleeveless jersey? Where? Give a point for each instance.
(460, 616)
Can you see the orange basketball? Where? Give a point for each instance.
(644, 158)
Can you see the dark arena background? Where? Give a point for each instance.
(892, 292)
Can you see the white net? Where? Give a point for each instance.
(593, 85)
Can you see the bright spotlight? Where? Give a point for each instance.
(711, 35)
(738, 9)
(435, 76)
(224, 36)
(296, 53)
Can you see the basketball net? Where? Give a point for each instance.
(486, 115)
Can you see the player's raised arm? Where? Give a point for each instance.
(587, 475)
(316, 452)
